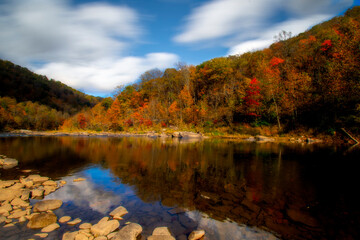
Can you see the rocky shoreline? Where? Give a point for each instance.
(15, 208)
(183, 135)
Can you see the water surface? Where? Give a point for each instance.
(232, 190)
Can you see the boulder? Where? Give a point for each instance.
(18, 214)
(129, 232)
(49, 183)
(17, 186)
(41, 220)
(49, 189)
(45, 205)
(103, 228)
(37, 178)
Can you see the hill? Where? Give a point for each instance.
(310, 81)
(23, 85)
(31, 101)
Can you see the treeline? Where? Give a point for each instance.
(311, 80)
(28, 115)
(23, 85)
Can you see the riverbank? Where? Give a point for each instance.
(303, 137)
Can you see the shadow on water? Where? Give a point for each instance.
(232, 190)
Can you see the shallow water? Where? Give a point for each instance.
(232, 190)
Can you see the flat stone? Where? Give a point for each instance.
(81, 236)
(197, 234)
(8, 183)
(62, 183)
(85, 226)
(37, 193)
(2, 219)
(161, 231)
(64, 219)
(69, 235)
(25, 195)
(74, 222)
(101, 238)
(111, 235)
(118, 212)
(18, 214)
(49, 183)
(22, 219)
(9, 194)
(161, 237)
(45, 205)
(79, 179)
(50, 228)
(49, 189)
(42, 235)
(103, 228)
(19, 202)
(17, 186)
(129, 232)
(41, 220)
(37, 178)
(6, 207)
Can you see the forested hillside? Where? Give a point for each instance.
(23, 85)
(308, 81)
(29, 100)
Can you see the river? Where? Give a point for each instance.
(232, 190)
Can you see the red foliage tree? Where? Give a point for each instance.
(252, 98)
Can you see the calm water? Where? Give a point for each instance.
(231, 190)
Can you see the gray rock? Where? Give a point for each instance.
(129, 232)
(41, 220)
(45, 205)
(103, 228)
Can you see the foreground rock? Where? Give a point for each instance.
(41, 220)
(118, 212)
(46, 205)
(104, 227)
(129, 232)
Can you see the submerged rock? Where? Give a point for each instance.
(41, 220)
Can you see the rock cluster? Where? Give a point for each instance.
(15, 208)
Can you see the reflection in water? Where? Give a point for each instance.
(230, 189)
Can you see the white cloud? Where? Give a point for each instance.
(265, 38)
(103, 76)
(244, 25)
(84, 46)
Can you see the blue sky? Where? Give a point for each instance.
(95, 45)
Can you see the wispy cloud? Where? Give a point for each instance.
(251, 24)
(85, 46)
